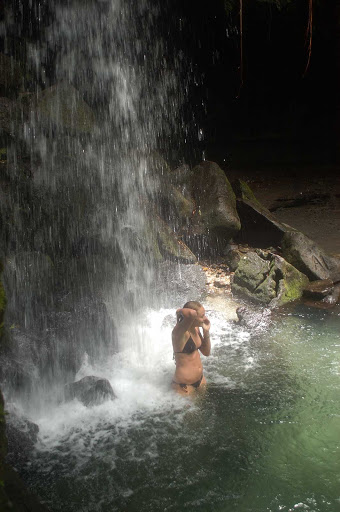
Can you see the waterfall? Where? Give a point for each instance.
(103, 100)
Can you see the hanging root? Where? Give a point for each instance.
(309, 35)
(241, 49)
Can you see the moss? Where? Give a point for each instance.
(247, 193)
(3, 154)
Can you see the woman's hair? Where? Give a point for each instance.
(192, 304)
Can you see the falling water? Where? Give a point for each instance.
(82, 264)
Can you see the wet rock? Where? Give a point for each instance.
(318, 290)
(254, 320)
(175, 206)
(22, 434)
(28, 279)
(215, 201)
(175, 284)
(14, 496)
(308, 257)
(233, 253)
(267, 278)
(90, 391)
(62, 108)
(11, 75)
(7, 108)
(169, 245)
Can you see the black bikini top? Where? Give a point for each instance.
(189, 347)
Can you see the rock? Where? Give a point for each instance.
(254, 320)
(244, 192)
(169, 245)
(7, 108)
(14, 496)
(308, 257)
(62, 108)
(22, 434)
(259, 227)
(28, 278)
(215, 201)
(267, 278)
(232, 255)
(183, 283)
(11, 75)
(3, 303)
(90, 391)
(318, 290)
(174, 205)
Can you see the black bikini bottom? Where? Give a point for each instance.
(194, 385)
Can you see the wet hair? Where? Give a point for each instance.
(192, 304)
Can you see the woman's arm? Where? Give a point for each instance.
(185, 319)
(205, 348)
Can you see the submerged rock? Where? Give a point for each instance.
(254, 320)
(90, 391)
(267, 278)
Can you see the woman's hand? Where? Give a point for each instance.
(206, 326)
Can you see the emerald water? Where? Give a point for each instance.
(264, 437)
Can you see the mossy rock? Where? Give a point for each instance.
(290, 282)
(169, 245)
(267, 278)
(243, 191)
(61, 107)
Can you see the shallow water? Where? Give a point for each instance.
(264, 437)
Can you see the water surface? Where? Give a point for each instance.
(264, 437)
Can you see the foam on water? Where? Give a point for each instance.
(140, 376)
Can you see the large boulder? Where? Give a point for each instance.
(215, 201)
(62, 108)
(309, 257)
(90, 391)
(260, 228)
(267, 278)
(171, 247)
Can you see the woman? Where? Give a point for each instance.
(187, 341)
